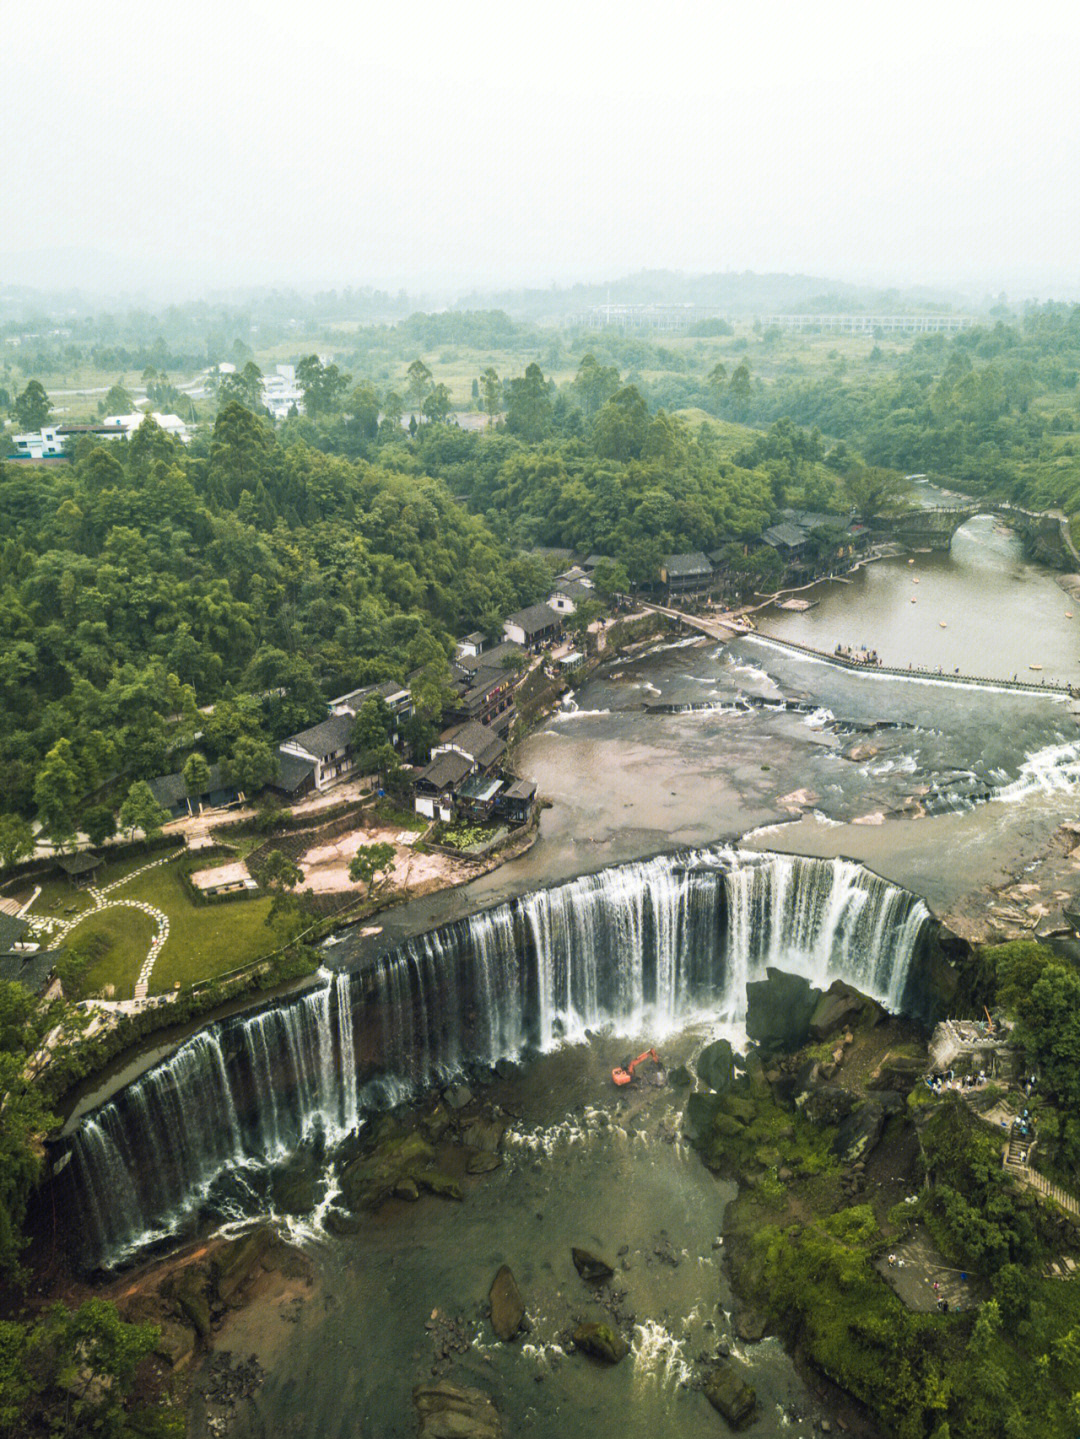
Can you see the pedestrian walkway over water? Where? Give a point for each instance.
(732, 627)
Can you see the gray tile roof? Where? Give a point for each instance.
(82, 863)
(785, 534)
(170, 789)
(325, 737)
(536, 619)
(32, 971)
(476, 740)
(292, 771)
(12, 931)
(445, 770)
(692, 563)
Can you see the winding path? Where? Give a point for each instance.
(101, 904)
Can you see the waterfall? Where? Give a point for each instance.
(641, 949)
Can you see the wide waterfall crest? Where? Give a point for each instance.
(641, 948)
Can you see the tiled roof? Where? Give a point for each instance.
(535, 619)
(445, 770)
(693, 563)
(325, 737)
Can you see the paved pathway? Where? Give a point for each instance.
(101, 904)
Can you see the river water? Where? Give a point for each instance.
(938, 787)
(583, 1167)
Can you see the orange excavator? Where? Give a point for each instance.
(625, 1076)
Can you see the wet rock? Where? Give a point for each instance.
(601, 1342)
(779, 1009)
(749, 1325)
(449, 1411)
(190, 1289)
(826, 1104)
(292, 1190)
(436, 1182)
(481, 1163)
(406, 1189)
(367, 1181)
(842, 1007)
(859, 1132)
(484, 1132)
(506, 1069)
(730, 1395)
(590, 1266)
(699, 1116)
(507, 1305)
(235, 1263)
(680, 1077)
(340, 1223)
(176, 1344)
(436, 1123)
(458, 1096)
(716, 1066)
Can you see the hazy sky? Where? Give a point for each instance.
(427, 145)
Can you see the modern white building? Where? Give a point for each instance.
(46, 444)
(126, 425)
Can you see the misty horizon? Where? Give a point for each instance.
(179, 155)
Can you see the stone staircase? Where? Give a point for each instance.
(1017, 1162)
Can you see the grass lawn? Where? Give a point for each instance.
(130, 933)
(203, 941)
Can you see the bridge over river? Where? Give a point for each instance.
(1045, 532)
(733, 627)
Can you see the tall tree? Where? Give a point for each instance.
(57, 790)
(528, 409)
(245, 387)
(33, 406)
(369, 861)
(594, 384)
(16, 840)
(324, 386)
(141, 810)
(493, 393)
(419, 386)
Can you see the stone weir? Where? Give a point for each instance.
(641, 948)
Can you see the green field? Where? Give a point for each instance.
(129, 934)
(203, 940)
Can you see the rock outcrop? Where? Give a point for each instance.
(601, 1342)
(449, 1411)
(507, 1305)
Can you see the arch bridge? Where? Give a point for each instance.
(1045, 533)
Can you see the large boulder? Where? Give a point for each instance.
(176, 1344)
(235, 1263)
(507, 1305)
(825, 1104)
(859, 1132)
(699, 1116)
(590, 1266)
(716, 1065)
(292, 1189)
(898, 1073)
(367, 1181)
(779, 1009)
(601, 1341)
(190, 1289)
(728, 1392)
(842, 1007)
(449, 1411)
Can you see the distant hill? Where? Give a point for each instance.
(746, 294)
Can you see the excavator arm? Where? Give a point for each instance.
(624, 1076)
